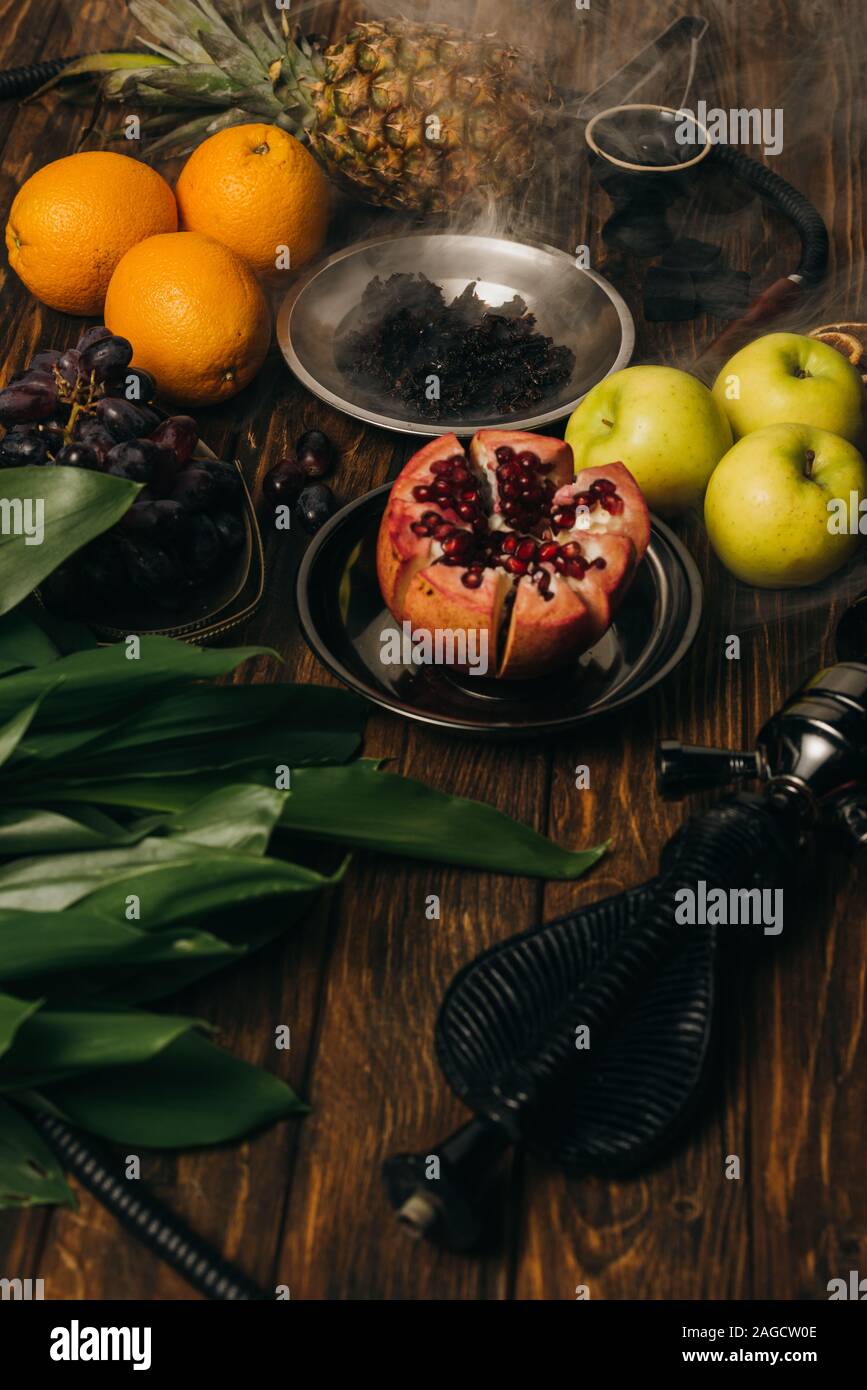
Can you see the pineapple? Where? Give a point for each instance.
(408, 116)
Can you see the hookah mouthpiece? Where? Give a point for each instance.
(622, 975)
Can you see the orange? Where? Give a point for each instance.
(194, 313)
(257, 190)
(72, 221)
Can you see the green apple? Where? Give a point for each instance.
(767, 507)
(663, 424)
(786, 379)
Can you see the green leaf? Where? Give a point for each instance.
(103, 683)
(192, 1093)
(40, 830)
(24, 641)
(13, 1013)
(30, 1175)
(47, 948)
(78, 504)
(358, 805)
(240, 818)
(174, 879)
(55, 1044)
(14, 730)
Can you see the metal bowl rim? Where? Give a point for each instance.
(427, 427)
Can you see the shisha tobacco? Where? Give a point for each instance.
(483, 360)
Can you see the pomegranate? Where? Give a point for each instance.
(502, 539)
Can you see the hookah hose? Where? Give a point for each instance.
(22, 82)
(506, 1033)
(814, 247)
(154, 1225)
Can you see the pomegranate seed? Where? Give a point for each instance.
(572, 550)
(526, 550)
(466, 511)
(548, 551)
(456, 460)
(442, 530)
(460, 475)
(604, 485)
(577, 569)
(472, 579)
(431, 518)
(505, 454)
(516, 566)
(564, 520)
(509, 491)
(509, 543)
(528, 459)
(585, 499)
(612, 504)
(441, 467)
(545, 466)
(470, 494)
(422, 494)
(599, 563)
(544, 582)
(419, 530)
(561, 564)
(458, 543)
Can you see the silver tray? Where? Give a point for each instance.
(577, 308)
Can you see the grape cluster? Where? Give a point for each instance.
(296, 478)
(88, 407)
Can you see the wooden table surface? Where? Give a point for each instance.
(360, 984)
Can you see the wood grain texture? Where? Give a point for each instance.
(360, 983)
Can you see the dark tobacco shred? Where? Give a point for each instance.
(487, 361)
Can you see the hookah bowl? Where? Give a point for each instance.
(624, 977)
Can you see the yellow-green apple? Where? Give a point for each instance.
(664, 425)
(772, 505)
(784, 378)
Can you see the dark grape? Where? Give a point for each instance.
(151, 417)
(134, 385)
(20, 449)
(284, 482)
(150, 568)
(196, 488)
(201, 549)
(92, 433)
(315, 453)
(44, 361)
(230, 528)
(315, 506)
(227, 480)
(92, 335)
(77, 455)
(38, 374)
(163, 520)
(107, 357)
(136, 459)
(121, 418)
(69, 366)
(180, 433)
(27, 401)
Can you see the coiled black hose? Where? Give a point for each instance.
(726, 847)
(21, 82)
(799, 210)
(154, 1225)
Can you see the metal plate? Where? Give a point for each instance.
(343, 617)
(577, 308)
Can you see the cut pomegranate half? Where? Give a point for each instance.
(504, 541)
